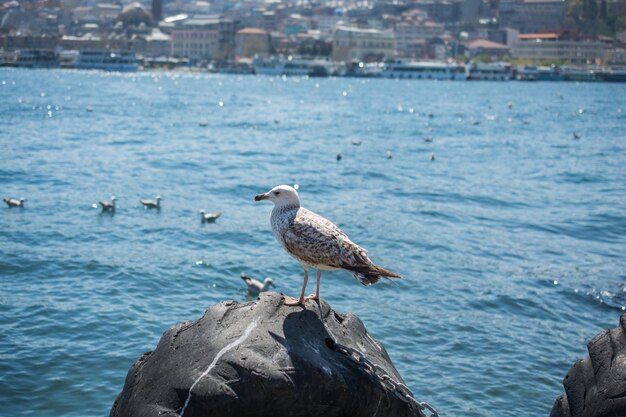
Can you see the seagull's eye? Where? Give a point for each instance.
(276, 192)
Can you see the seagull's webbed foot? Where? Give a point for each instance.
(313, 297)
(290, 301)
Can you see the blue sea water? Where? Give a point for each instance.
(511, 242)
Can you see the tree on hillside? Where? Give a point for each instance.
(596, 17)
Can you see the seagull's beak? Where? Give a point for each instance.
(260, 197)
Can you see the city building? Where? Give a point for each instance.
(356, 44)
(250, 42)
(561, 47)
(203, 38)
(410, 34)
(441, 10)
(157, 10)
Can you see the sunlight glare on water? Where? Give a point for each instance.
(510, 242)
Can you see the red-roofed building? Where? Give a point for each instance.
(485, 47)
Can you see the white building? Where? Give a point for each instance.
(203, 38)
(409, 34)
(196, 44)
(356, 44)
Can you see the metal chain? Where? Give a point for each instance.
(401, 390)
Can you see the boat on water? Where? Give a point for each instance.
(497, 71)
(539, 73)
(402, 69)
(613, 74)
(35, 58)
(67, 58)
(578, 74)
(123, 61)
(292, 67)
(280, 66)
(363, 69)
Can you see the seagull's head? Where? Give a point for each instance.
(267, 282)
(281, 196)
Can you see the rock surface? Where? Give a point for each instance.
(596, 385)
(261, 359)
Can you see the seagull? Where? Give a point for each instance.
(339, 156)
(356, 142)
(256, 286)
(107, 205)
(431, 157)
(428, 138)
(389, 155)
(209, 217)
(576, 135)
(317, 243)
(152, 204)
(12, 202)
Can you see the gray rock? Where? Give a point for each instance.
(596, 386)
(261, 359)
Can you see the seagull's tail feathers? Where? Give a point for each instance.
(370, 274)
(247, 279)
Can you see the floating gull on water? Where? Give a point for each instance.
(431, 157)
(428, 138)
(12, 202)
(152, 204)
(316, 242)
(209, 217)
(356, 142)
(389, 155)
(107, 205)
(256, 286)
(339, 156)
(203, 124)
(576, 135)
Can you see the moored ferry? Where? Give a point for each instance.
(423, 70)
(539, 73)
(613, 74)
(35, 58)
(280, 66)
(292, 67)
(122, 61)
(578, 74)
(498, 71)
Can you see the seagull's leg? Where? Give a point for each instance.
(316, 296)
(290, 301)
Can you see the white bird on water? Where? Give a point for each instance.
(209, 217)
(256, 286)
(317, 243)
(12, 202)
(107, 205)
(152, 204)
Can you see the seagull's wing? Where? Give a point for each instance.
(317, 241)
